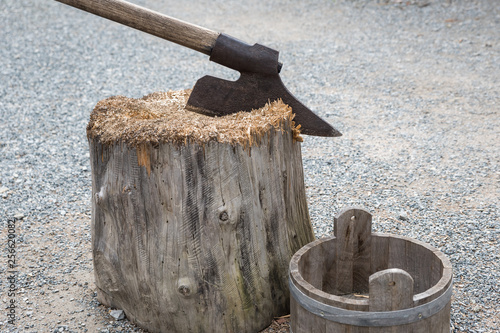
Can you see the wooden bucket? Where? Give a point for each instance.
(359, 281)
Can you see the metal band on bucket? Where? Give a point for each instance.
(370, 319)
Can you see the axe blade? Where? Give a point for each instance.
(217, 97)
(259, 83)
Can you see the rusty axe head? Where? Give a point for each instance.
(259, 83)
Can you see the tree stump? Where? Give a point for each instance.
(195, 219)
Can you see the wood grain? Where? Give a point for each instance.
(391, 290)
(199, 238)
(352, 228)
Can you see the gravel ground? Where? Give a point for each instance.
(413, 85)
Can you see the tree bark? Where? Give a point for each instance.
(197, 237)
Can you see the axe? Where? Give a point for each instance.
(258, 65)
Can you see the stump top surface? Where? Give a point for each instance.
(161, 117)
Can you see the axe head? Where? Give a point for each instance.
(258, 84)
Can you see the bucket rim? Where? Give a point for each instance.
(438, 289)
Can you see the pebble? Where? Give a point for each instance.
(61, 328)
(117, 314)
(19, 216)
(403, 216)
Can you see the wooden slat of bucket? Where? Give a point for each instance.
(352, 228)
(333, 327)
(438, 323)
(304, 321)
(380, 252)
(390, 290)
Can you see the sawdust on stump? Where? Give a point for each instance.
(161, 117)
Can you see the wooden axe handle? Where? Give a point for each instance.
(163, 26)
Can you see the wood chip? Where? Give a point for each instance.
(161, 117)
